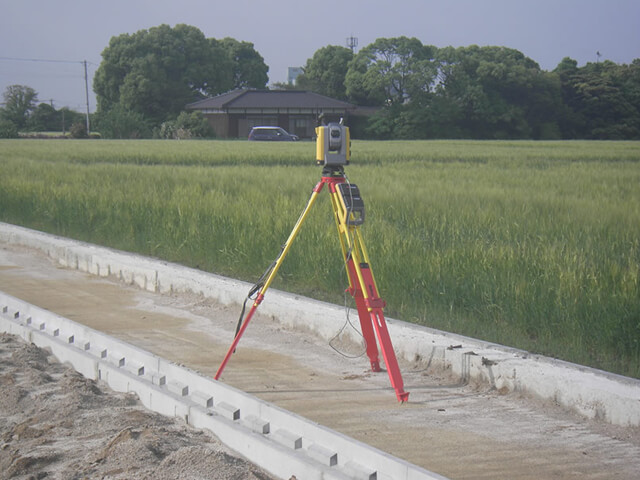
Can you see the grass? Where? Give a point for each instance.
(530, 244)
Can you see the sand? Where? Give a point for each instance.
(57, 424)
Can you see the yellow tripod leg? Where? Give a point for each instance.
(271, 273)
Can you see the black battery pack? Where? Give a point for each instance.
(353, 203)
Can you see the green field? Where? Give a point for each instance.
(534, 245)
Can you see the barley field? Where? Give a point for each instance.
(535, 245)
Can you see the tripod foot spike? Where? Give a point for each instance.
(403, 397)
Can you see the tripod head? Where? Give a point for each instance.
(333, 171)
(333, 145)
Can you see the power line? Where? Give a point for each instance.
(44, 60)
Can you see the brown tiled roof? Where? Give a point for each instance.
(240, 99)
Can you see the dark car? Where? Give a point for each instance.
(271, 134)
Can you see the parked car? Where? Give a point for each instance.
(271, 134)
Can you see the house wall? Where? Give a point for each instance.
(247, 122)
(238, 125)
(219, 123)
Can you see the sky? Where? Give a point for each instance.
(43, 43)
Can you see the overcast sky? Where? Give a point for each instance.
(287, 32)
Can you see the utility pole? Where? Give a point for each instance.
(86, 90)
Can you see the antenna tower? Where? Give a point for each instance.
(352, 43)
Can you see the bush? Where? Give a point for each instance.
(8, 129)
(122, 124)
(78, 130)
(187, 125)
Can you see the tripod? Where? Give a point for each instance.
(348, 209)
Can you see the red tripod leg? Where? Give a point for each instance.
(389, 355)
(365, 319)
(237, 338)
(371, 313)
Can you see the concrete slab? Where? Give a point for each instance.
(460, 408)
(590, 392)
(173, 401)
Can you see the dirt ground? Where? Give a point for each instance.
(57, 424)
(458, 430)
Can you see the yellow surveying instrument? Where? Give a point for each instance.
(333, 151)
(333, 145)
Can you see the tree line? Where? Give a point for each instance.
(22, 112)
(144, 81)
(409, 90)
(422, 91)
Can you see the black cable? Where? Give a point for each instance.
(255, 289)
(348, 322)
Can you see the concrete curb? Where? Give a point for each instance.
(590, 392)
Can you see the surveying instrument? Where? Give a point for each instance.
(333, 151)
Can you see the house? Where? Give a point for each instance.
(233, 114)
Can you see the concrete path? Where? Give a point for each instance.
(449, 426)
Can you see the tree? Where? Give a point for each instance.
(570, 122)
(20, 101)
(248, 67)
(118, 122)
(283, 86)
(498, 92)
(46, 118)
(566, 68)
(43, 119)
(325, 72)
(400, 75)
(391, 71)
(156, 72)
(604, 100)
(7, 128)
